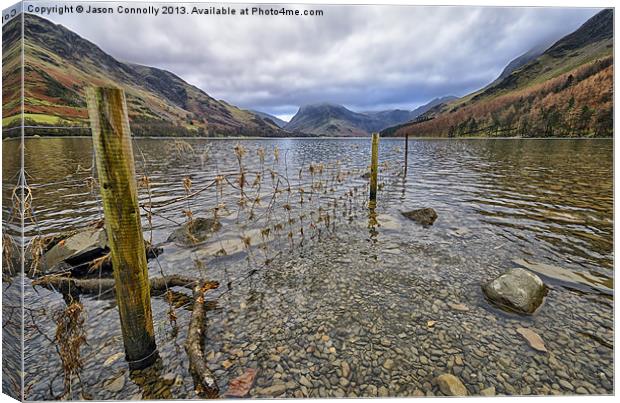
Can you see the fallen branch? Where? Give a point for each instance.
(70, 285)
(204, 380)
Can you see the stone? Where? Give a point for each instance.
(81, 247)
(490, 391)
(388, 364)
(581, 390)
(113, 358)
(346, 370)
(304, 381)
(383, 392)
(458, 307)
(534, 340)
(450, 385)
(168, 377)
(116, 385)
(196, 231)
(273, 390)
(564, 276)
(77, 250)
(516, 290)
(566, 385)
(423, 216)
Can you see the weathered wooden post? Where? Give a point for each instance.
(115, 166)
(406, 153)
(374, 167)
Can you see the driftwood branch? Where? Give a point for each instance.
(204, 380)
(70, 285)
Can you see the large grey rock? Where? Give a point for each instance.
(195, 231)
(77, 250)
(424, 216)
(516, 290)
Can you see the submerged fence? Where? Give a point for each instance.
(267, 202)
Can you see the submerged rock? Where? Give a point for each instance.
(424, 216)
(450, 385)
(195, 231)
(568, 278)
(76, 251)
(365, 175)
(516, 290)
(533, 339)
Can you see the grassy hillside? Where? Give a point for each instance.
(567, 91)
(59, 65)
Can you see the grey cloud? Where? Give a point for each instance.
(365, 57)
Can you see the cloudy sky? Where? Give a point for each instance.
(364, 57)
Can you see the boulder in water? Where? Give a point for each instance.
(195, 231)
(424, 216)
(516, 290)
(76, 251)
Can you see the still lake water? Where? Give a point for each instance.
(345, 311)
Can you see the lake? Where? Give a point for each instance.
(326, 297)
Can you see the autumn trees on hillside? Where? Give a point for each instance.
(578, 103)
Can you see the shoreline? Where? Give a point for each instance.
(325, 138)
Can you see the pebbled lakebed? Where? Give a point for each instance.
(375, 305)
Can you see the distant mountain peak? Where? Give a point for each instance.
(326, 118)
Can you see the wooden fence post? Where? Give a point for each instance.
(107, 111)
(406, 153)
(374, 167)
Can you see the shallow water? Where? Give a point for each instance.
(371, 287)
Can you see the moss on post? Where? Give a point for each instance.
(107, 111)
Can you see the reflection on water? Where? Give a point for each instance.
(551, 197)
(544, 204)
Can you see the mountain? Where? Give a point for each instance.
(524, 59)
(336, 120)
(59, 65)
(279, 122)
(329, 120)
(567, 91)
(427, 107)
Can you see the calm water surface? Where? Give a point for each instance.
(546, 205)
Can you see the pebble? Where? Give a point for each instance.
(116, 385)
(450, 385)
(345, 368)
(490, 391)
(273, 390)
(304, 381)
(582, 391)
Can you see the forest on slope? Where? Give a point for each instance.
(565, 92)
